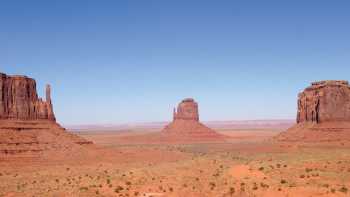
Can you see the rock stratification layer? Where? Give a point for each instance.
(323, 113)
(27, 123)
(186, 125)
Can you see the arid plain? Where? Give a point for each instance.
(125, 162)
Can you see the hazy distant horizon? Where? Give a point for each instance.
(167, 121)
(127, 61)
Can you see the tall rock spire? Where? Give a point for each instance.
(174, 114)
(48, 93)
(50, 114)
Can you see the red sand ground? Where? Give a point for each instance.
(320, 132)
(248, 163)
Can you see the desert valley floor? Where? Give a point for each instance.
(127, 163)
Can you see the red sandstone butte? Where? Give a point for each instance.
(323, 113)
(19, 99)
(186, 125)
(27, 123)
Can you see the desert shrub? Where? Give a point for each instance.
(118, 189)
(325, 185)
(83, 188)
(308, 170)
(343, 189)
(283, 181)
(263, 185)
(255, 186)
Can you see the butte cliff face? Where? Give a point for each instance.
(27, 123)
(323, 113)
(186, 125)
(19, 99)
(324, 101)
(187, 110)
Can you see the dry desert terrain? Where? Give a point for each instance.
(131, 162)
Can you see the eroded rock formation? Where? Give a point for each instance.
(19, 99)
(324, 101)
(187, 110)
(27, 123)
(186, 125)
(323, 113)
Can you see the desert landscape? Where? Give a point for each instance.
(38, 157)
(182, 98)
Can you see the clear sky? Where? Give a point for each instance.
(133, 61)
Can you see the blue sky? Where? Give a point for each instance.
(133, 61)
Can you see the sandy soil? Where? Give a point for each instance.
(248, 163)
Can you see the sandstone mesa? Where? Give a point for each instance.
(186, 125)
(323, 113)
(27, 123)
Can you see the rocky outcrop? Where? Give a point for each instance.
(186, 125)
(19, 99)
(324, 101)
(323, 113)
(187, 110)
(28, 125)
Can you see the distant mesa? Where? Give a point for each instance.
(187, 110)
(27, 123)
(186, 125)
(323, 113)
